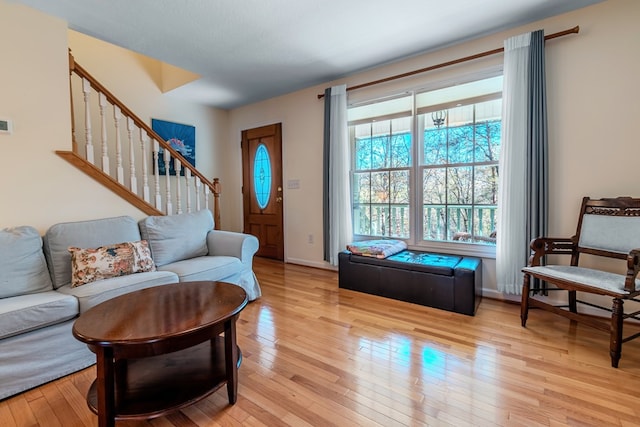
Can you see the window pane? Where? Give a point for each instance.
(486, 185)
(361, 187)
(399, 221)
(460, 185)
(433, 185)
(379, 187)
(484, 225)
(461, 144)
(433, 222)
(399, 191)
(401, 150)
(435, 146)
(262, 176)
(399, 196)
(379, 220)
(363, 147)
(362, 219)
(381, 147)
(459, 221)
(488, 141)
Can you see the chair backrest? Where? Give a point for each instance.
(609, 227)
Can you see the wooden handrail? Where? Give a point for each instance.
(89, 168)
(74, 67)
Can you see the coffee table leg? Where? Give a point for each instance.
(105, 387)
(231, 359)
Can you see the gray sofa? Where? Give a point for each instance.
(38, 303)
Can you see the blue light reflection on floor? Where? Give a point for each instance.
(432, 359)
(399, 351)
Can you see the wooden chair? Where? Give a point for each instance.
(607, 228)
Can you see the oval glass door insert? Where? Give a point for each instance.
(262, 176)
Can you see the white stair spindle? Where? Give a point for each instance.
(198, 185)
(167, 162)
(144, 138)
(156, 174)
(117, 115)
(86, 89)
(102, 102)
(207, 190)
(133, 179)
(187, 181)
(178, 168)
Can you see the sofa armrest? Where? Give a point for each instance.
(229, 243)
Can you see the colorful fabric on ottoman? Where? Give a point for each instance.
(377, 248)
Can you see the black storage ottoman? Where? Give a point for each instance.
(447, 282)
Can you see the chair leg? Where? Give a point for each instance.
(615, 345)
(524, 304)
(573, 307)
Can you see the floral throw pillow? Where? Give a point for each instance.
(91, 264)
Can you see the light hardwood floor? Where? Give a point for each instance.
(316, 355)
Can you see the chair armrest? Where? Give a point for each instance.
(542, 246)
(229, 243)
(633, 266)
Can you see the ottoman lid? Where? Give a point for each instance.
(425, 262)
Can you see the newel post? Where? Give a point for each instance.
(217, 189)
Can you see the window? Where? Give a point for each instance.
(425, 164)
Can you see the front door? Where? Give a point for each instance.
(262, 188)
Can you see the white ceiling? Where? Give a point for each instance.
(250, 50)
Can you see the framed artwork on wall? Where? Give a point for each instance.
(182, 138)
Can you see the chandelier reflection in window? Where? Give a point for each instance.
(439, 117)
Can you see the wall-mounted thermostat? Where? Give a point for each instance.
(6, 127)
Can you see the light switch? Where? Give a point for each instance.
(6, 126)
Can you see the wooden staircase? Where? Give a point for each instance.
(130, 169)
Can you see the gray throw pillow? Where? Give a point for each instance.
(177, 237)
(23, 269)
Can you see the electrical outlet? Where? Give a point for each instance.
(310, 238)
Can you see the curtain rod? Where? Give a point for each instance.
(573, 30)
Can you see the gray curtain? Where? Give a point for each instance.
(537, 178)
(326, 156)
(523, 188)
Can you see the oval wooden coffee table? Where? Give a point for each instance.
(162, 348)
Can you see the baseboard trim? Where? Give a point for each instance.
(314, 264)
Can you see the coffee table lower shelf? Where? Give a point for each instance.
(154, 386)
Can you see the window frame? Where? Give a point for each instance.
(416, 237)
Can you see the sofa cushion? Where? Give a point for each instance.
(29, 312)
(83, 234)
(177, 237)
(94, 293)
(205, 268)
(91, 264)
(23, 269)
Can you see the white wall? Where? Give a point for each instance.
(593, 103)
(34, 94)
(36, 186)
